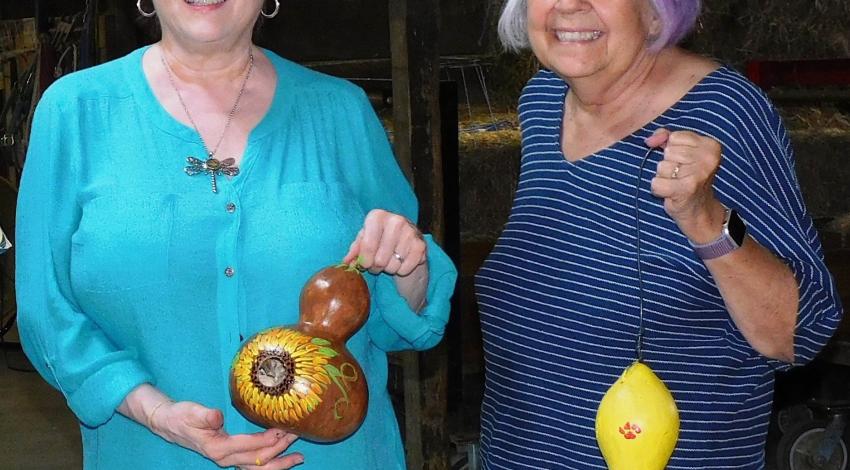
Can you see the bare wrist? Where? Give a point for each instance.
(152, 414)
(705, 227)
(143, 403)
(414, 287)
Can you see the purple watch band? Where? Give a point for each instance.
(731, 238)
(723, 245)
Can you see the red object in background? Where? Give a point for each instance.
(804, 73)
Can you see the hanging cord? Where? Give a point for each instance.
(639, 341)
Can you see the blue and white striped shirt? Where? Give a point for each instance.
(559, 297)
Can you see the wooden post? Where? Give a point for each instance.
(88, 41)
(414, 45)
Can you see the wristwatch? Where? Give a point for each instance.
(731, 238)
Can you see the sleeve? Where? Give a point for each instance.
(761, 183)
(378, 182)
(64, 345)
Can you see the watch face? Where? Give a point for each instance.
(736, 227)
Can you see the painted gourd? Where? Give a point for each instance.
(637, 423)
(301, 378)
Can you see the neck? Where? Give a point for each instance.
(593, 96)
(206, 63)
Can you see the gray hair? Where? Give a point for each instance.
(677, 19)
(513, 30)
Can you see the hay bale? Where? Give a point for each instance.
(737, 31)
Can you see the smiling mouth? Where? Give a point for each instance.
(577, 36)
(204, 2)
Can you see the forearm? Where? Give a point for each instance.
(142, 402)
(762, 297)
(759, 290)
(414, 287)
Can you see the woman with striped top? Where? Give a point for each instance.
(619, 122)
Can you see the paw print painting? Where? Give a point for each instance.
(629, 430)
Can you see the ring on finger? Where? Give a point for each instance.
(397, 256)
(675, 173)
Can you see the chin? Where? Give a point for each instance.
(572, 67)
(573, 72)
(206, 33)
(567, 62)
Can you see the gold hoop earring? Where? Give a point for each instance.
(274, 13)
(143, 12)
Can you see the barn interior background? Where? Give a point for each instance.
(446, 92)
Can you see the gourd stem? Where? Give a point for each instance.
(356, 265)
(639, 341)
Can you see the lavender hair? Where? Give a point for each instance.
(677, 20)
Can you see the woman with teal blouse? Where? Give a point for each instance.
(140, 275)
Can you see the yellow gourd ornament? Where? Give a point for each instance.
(637, 422)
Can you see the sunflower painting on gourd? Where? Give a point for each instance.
(301, 378)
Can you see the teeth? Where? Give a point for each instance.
(204, 2)
(577, 36)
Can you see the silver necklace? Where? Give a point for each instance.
(211, 166)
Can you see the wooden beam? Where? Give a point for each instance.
(414, 46)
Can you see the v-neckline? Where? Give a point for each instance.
(647, 128)
(166, 122)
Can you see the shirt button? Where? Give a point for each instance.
(229, 272)
(230, 207)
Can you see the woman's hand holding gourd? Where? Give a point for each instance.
(200, 428)
(388, 243)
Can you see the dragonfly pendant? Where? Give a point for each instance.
(213, 167)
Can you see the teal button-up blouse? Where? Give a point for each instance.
(131, 271)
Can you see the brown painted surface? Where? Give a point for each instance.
(334, 305)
